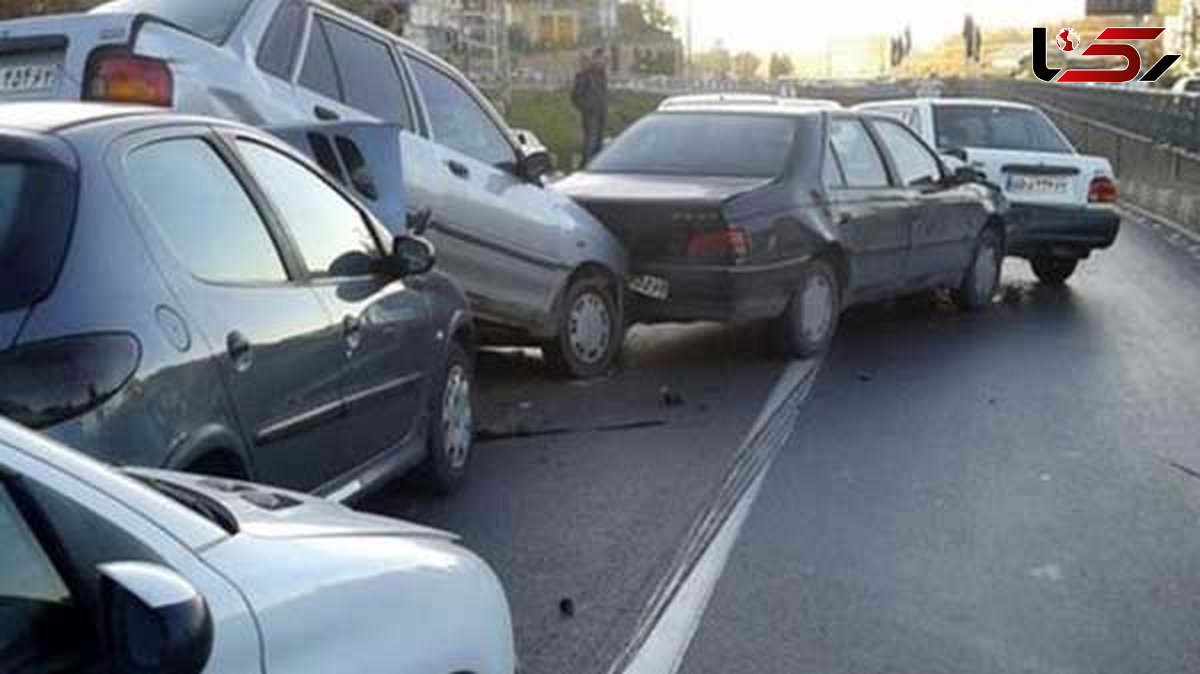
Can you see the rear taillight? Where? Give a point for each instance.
(44, 383)
(1103, 190)
(721, 244)
(118, 77)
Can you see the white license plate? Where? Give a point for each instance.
(22, 79)
(1035, 184)
(651, 286)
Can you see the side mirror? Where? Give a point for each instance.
(411, 256)
(536, 165)
(966, 174)
(154, 621)
(956, 152)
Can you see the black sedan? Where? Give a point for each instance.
(745, 213)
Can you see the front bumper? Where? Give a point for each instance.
(723, 294)
(1064, 231)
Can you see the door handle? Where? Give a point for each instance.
(459, 169)
(325, 114)
(352, 331)
(241, 352)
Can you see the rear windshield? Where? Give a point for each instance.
(36, 207)
(996, 128)
(707, 144)
(212, 20)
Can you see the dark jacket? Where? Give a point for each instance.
(590, 92)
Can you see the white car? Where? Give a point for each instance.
(165, 573)
(538, 269)
(1188, 85)
(1062, 203)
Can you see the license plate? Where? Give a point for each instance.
(1035, 184)
(651, 286)
(22, 79)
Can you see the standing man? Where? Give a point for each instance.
(589, 95)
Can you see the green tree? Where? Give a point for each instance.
(746, 65)
(716, 63)
(780, 66)
(655, 15)
(12, 9)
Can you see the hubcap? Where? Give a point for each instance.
(457, 417)
(590, 328)
(816, 308)
(987, 268)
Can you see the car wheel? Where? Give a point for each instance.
(982, 278)
(590, 333)
(1053, 271)
(452, 425)
(807, 326)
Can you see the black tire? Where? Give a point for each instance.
(791, 337)
(219, 464)
(979, 286)
(570, 357)
(1053, 271)
(443, 470)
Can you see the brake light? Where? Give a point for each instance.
(721, 243)
(1103, 191)
(44, 383)
(118, 77)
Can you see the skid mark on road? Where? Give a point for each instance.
(672, 616)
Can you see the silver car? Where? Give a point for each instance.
(538, 269)
(152, 571)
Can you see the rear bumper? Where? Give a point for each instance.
(719, 293)
(1063, 231)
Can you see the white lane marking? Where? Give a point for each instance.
(665, 648)
(666, 644)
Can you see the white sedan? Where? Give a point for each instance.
(1062, 202)
(103, 571)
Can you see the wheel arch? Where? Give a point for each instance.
(212, 442)
(589, 269)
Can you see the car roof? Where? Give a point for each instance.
(745, 109)
(941, 100)
(54, 116)
(737, 99)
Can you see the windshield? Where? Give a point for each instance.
(709, 144)
(212, 20)
(36, 204)
(996, 128)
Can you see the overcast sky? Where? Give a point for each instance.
(785, 25)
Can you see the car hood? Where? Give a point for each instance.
(599, 187)
(266, 512)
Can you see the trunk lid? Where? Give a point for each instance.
(656, 216)
(10, 326)
(1040, 178)
(45, 58)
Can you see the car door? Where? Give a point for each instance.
(498, 235)
(385, 325)
(872, 215)
(348, 73)
(275, 345)
(946, 219)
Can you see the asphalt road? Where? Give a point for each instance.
(1012, 491)
(1009, 492)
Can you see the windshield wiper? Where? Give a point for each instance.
(198, 503)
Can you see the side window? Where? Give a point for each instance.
(278, 48)
(369, 74)
(831, 172)
(458, 120)
(41, 627)
(330, 232)
(914, 162)
(319, 73)
(857, 154)
(203, 212)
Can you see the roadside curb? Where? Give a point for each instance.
(650, 652)
(1147, 214)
